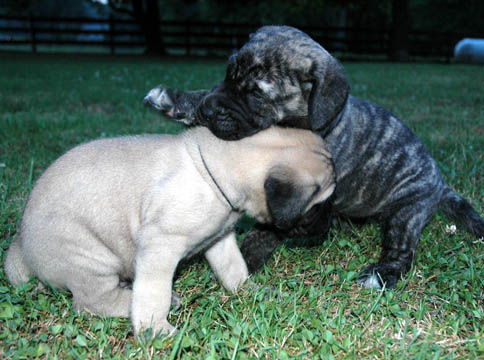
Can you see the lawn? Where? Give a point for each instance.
(49, 103)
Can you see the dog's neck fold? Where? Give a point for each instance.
(232, 170)
(214, 180)
(214, 164)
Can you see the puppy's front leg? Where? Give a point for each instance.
(227, 262)
(259, 244)
(401, 234)
(156, 260)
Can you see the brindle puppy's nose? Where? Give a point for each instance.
(180, 114)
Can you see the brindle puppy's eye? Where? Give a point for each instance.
(257, 95)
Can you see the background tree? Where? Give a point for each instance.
(15, 7)
(147, 14)
(400, 28)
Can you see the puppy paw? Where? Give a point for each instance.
(175, 300)
(379, 276)
(148, 332)
(269, 292)
(161, 99)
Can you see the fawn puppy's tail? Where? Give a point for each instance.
(15, 268)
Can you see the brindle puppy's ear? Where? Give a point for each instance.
(328, 95)
(285, 200)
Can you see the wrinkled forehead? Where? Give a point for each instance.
(271, 65)
(273, 51)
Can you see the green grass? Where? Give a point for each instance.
(49, 103)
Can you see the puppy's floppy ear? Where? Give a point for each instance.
(285, 200)
(328, 95)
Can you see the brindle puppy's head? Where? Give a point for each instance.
(281, 76)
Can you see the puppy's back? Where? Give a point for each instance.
(104, 166)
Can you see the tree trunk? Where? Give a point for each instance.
(400, 29)
(154, 41)
(147, 14)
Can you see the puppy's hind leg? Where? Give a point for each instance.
(401, 234)
(101, 294)
(92, 275)
(69, 255)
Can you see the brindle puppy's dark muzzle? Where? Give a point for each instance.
(309, 230)
(226, 117)
(315, 222)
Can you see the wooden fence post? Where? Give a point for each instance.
(32, 33)
(187, 37)
(112, 34)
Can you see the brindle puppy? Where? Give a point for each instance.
(281, 76)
